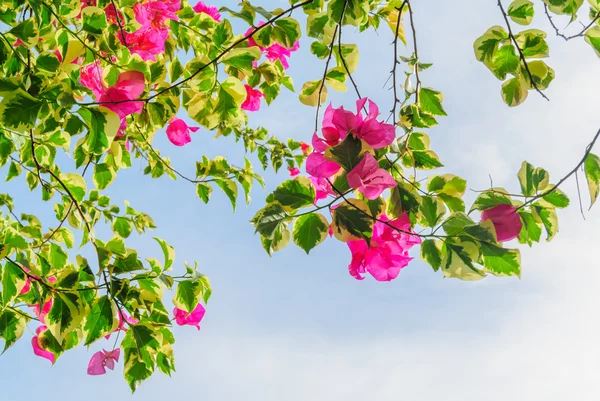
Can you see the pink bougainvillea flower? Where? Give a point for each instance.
(102, 360)
(148, 42)
(305, 147)
(388, 252)
(121, 327)
(19, 42)
(41, 314)
(322, 188)
(178, 132)
(294, 171)
(506, 220)
(173, 5)
(253, 96)
(278, 52)
(369, 179)
(91, 78)
(192, 319)
(130, 85)
(211, 11)
(377, 134)
(37, 348)
(153, 14)
(113, 15)
(318, 166)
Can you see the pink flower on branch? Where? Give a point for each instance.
(377, 134)
(294, 171)
(121, 327)
(211, 11)
(178, 132)
(369, 178)
(102, 360)
(388, 251)
(183, 318)
(506, 220)
(253, 96)
(37, 348)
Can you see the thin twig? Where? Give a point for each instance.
(414, 32)
(588, 150)
(562, 35)
(579, 195)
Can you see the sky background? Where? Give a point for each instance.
(296, 327)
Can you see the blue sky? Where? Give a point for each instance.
(296, 327)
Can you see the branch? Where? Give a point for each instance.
(396, 62)
(588, 150)
(521, 55)
(562, 35)
(414, 32)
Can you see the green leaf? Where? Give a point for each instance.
(116, 245)
(122, 226)
(102, 319)
(521, 11)
(557, 198)
(13, 281)
(242, 58)
(203, 191)
(75, 184)
(139, 346)
(230, 189)
(592, 36)
(267, 220)
(525, 175)
(66, 314)
(514, 92)
(487, 44)
(431, 253)
(103, 126)
(347, 154)
(94, 20)
(549, 219)
(430, 101)
(422, 159)
(490, 198)
(531, 231)
(351, 221)
(188, 295)
(500, 261)
(103, 176)
(592, 174)
(310, 230)
(168, 253)
(432, 210)
(313, 93)
(19, 110)
(533, 43)
(294, 194)
(48, 62)
(57, 257)
(457, 262)
(505, 61)
(12, 327)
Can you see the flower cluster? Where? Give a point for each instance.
(119, 98)
(387, 253)
(366, 176)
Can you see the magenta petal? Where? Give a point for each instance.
(345, 120)
(253, 96)
(91, 78)
(192, 319)
(37, 349)
(377, 134)
(178, 132)
(132, 83)
(506, 220)
(318, 166)
(96, 365)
